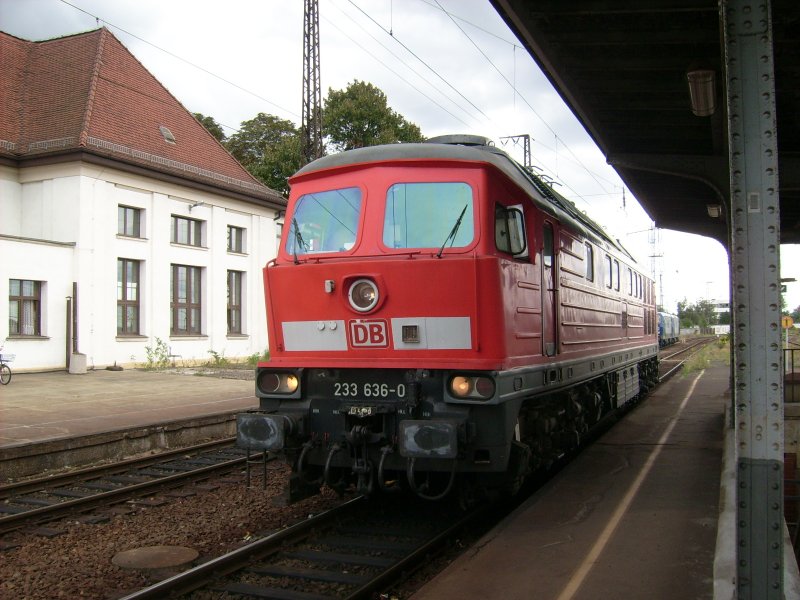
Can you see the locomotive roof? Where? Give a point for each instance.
(475, 149)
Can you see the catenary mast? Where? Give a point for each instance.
(312, 96)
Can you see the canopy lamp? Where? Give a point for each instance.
(702, 91)
(714, 210)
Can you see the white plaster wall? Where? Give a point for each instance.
(77, 204)
(53, 265)
(10, 202)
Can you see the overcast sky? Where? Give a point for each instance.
(450, 66)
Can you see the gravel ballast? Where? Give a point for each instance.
(78, 563)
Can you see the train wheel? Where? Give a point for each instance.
(519, 467)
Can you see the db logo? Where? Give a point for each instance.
(369, 334)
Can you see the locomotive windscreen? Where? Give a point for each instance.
(325, 222)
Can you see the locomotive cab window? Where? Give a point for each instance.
(509, 230)
(429, 215)
(547, 248)
(589, 262)
(324, 222)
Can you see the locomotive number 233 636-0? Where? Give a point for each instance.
(368, 390)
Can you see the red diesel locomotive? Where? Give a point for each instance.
(439, 316)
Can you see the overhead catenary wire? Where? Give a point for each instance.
(438, 6)
(180, 58)
(516, 91)
(372, 55)
(412, 53)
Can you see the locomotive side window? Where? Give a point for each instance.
(630, 282)
(547, 251)
(589, 262)
(428, 215)
(609, 273)
(616, 275)
(324, 222)
(509, 230)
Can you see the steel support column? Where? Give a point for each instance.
(755, 227)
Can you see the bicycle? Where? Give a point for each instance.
(5, 370)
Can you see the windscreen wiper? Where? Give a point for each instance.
(298, 239)
(453, 232)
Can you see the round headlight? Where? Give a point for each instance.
(484, 387)
(461, 387)
(269, 382)
(472, 387)
(277, 383)
(291, 383)
(363, 295)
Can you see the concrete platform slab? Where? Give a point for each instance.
(111, 414)
(634, 516)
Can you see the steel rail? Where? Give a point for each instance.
(701, 342)
(60, 509)
(677, 367)
(41, 483)
(228, 563)
(412, 560)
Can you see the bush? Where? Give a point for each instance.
(717, 353)
(256, 358)
(158, 357)
(219, 359)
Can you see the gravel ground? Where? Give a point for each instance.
(77, 564)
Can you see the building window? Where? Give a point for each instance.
(235, 239)
(185, 300)
(235, 279)
(129, 221)
(24, 307)
(127, 297)
(186, 231)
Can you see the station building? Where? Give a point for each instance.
(125, 227)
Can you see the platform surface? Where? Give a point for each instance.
(633, 517)
(42, 407)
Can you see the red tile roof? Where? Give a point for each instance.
(88, 92)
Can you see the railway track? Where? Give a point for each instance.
(669, 364)
(355, 550)
(45, 499)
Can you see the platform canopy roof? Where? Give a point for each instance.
(622, 65)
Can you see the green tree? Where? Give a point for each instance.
(255, 137)
(268, 147)
(795, 314)
(699, 314)
(211, 125)
(360, 116)
(279, 162)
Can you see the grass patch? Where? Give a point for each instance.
(717, 353)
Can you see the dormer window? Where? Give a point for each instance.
(168, 137)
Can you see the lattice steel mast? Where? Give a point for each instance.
(311, 126)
